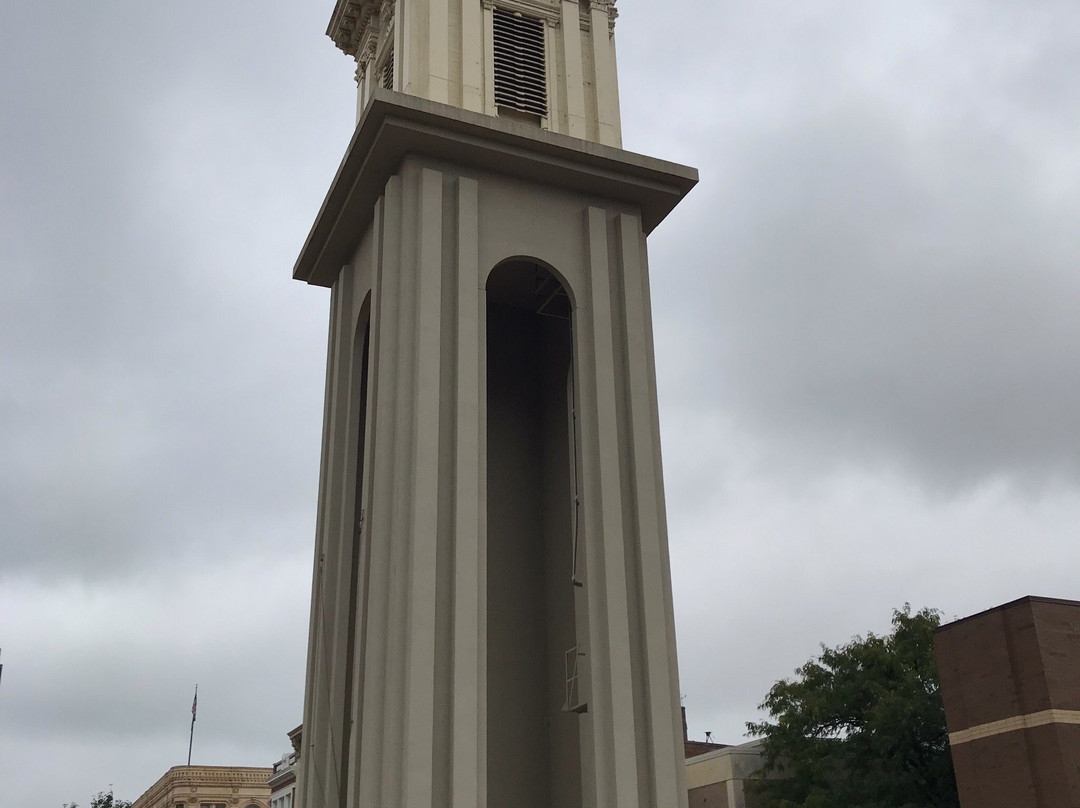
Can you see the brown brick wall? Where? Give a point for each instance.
(1069, 744)
(1018, 659)
(994, 773)
(1034, 768)
(984, 664)
(1058, 626)
(695, 748)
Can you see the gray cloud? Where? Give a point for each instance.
(147, 411)
(881, 259)
(112, 667)
(864, 323)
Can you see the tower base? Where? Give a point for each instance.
(491, 497)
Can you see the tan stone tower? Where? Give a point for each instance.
(491, 620)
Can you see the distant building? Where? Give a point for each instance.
(695, 748)
(716, 773)
(283, 780)
(717, 778)
(209, 787)
(1010, 680)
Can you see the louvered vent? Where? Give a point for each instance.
(520, 63)
(386, 75)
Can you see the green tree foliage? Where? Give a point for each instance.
(861, 726)
(103, 799)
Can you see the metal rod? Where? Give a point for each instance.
(191, 737)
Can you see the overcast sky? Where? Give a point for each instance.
(866, 324)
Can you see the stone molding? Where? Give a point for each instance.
(1029, 721)
(395, 124)
(193, 777)
(350, 22)
(359, 28)
(366, 52)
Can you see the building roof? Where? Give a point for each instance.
(193, 777)
(1011, 605)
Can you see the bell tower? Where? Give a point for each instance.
(491, 620)
(510, 58)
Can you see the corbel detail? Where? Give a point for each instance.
(366, 55)
(350, 21)
(386, 13)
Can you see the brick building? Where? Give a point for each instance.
(1010, 679)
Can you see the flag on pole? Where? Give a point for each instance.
(191, 737)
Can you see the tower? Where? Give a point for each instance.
(491, 618)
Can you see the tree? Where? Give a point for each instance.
(861, 726)
(103, 799)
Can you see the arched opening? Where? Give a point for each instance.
(534, 748)
(360, 554)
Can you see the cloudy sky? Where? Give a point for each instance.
(866, 323)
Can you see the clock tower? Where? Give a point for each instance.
(491, 619)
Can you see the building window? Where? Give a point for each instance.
(386, 71)
(520, 62)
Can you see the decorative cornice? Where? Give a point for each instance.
(607, 6)
(350, 21)
(196, 777)
(396, 125)
(366, 52)
(296, 737)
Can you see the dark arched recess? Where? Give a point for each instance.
(534, 748)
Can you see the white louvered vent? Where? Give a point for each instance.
(520, 62)
(386, 74)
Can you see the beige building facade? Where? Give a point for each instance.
(282, 780)
(209, 787)
(724, 777)
(491, 618)
(446, 51)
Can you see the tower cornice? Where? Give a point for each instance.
(349, 22)
(395, 125)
